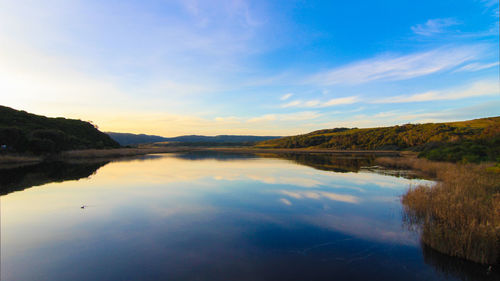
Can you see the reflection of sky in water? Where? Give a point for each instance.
(247, 219)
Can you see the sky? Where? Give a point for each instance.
(177, 67)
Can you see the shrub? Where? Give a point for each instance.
(40, 146)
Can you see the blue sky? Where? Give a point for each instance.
(250, 67)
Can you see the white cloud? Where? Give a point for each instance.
(418, 115)
(228, 119)
(487, 109)
(297, 116)
(294, 103)
(393, 68)
(190, 47)
(433, 26)
(286, 96)
(477, 66)
(318, 104)
(339, 101)
(288, 180)
(387, 114)
(481, 88)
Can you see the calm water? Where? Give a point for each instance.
(205, 216)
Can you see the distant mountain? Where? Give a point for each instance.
(221, 138)
(21, 131)
(133, 139)
(467, 141)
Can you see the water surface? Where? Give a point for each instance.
(209, 216)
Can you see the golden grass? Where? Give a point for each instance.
(425, 167)
(460, 214)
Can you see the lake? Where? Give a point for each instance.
(215, 216)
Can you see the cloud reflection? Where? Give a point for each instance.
(321, 195)
(285, 201)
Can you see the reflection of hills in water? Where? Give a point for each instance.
(342, 163)
(327, 162)
(320, 161)
(334, 162)
(213, 155)
(458, 268)
(20, 178)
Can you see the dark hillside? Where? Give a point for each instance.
(21, 131)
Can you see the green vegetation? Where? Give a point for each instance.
(467, 151)
(460, 214)
(467, 141)
(23, 132)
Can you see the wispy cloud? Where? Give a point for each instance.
(286, 96)
(229, 119)
(392, 68)
(318, 103)
(482, 88)
(487, 109)
(294, 103)
(416, 115)
(490, 3)
(433, 26)
(476, 66)
(297, 116)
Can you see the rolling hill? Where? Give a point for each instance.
(21, 131)
(472, 140)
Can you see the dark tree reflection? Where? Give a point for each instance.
(20, 178)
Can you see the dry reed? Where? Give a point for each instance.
(460, 214)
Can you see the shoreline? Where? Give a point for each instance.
(16, 159)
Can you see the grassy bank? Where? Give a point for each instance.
(460, 214)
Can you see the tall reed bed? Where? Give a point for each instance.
(460, 214)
